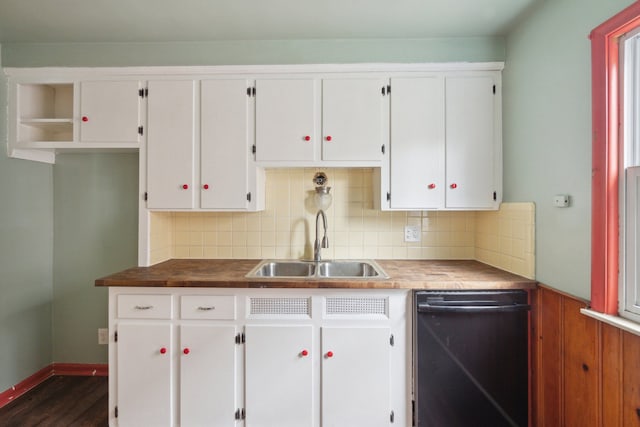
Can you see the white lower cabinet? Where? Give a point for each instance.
(259, 358)
(279, 376)
(207, 375)
(355, 376)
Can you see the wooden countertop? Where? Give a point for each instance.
(403, 274)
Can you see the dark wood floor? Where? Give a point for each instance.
(60, 401)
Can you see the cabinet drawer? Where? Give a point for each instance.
(208, 307)
(144, 306)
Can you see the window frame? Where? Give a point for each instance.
(606, 125)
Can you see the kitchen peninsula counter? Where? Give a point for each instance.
(403, 274)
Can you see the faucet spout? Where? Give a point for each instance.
(324, 243)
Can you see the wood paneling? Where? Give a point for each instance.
(581, 368)
(631, 380)
(585, 373)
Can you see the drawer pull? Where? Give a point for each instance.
(143, 307)
(213, 307)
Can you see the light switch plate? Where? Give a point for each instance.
(561, 201)
(103, 336)
(411, 233)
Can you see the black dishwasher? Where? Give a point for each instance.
(471, 358)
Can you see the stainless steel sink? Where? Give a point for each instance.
(344, 269)
(283, 269)
(349, 269)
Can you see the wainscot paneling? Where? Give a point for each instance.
(585, 372)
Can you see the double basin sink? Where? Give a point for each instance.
(344, 269)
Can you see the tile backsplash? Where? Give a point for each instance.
(286, 228)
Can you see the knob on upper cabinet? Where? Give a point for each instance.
(185, 186)
(454, 185)
(328, 138)
(206, 186)
(431, 186)
(163, 350)
(307, 138)
(304, 353)
(329, 354)
(85, 118)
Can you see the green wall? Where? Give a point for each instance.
(95, 234)
(547, 132)
(26, 256)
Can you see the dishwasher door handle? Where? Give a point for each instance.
(451, 307)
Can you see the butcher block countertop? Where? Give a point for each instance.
(403, 274)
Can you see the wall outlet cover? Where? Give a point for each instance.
(411, 233)
(103, 336)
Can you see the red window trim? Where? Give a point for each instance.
(605, 157)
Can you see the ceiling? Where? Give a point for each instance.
(66, 21)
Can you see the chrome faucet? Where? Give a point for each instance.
(325, 240)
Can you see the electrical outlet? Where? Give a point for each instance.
(103, 336)
(411, 233)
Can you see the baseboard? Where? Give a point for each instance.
(79, 369)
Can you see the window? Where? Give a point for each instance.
(608, 159)
(629, 177)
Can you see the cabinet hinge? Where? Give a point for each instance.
(249, 197)
(240, 338)
(237, 417)
(146, 196)
(253, 149)
(115, 338)
(494, 89)
(140, 130)
(240, 414)
(243, 414)
(383, 149)
(392, 341)
(392, 417)
(251, 91)
(388, 196)
(495, 196)
(413, 412)
(143, 93)
(388, 89)
(116, 412)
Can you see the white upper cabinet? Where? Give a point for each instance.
(225, 144)
(445, 148)
(473, 151)
(170, 144)
(417, 143)
(354, 118)
(110, 111)
(286, 112)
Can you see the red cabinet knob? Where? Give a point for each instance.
(454, 186)
(186, 350)
(206, 186)
(307, 138)
(328, 138)
(329, 353)
(163, 350)
(304, 353)
(185, 187)
(431, 186)
(85, 118)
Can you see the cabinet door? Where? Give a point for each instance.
(207, 375)
(224, 144)
(170, 144)
(355, 377)
(286, 120)
(278, 376)
(353, 119)
(471, 139)
(109, 111)
(417, 178)
(144, 374)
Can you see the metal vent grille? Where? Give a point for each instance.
(280, 306)
(356, 306)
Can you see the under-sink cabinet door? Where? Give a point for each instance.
(207, 375)
(144, 374)
(278, 376)
(356, 377)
